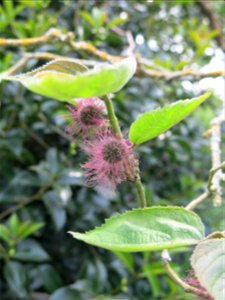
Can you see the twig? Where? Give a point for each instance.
(210, 186)
(55, 35)
(194, 203)
(55, 128)
(215, 142)
(39, 140)
(187, 288)
(93, 50)
(212, 174)
(50, 36)
(25, 202)
(186, 73)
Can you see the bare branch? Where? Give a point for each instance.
(186, 73)
(145, 67)
(197, 201)
(215, 143)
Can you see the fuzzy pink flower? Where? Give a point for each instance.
(88, 115)
(111, 161)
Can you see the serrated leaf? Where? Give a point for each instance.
(65, 80)
(146, 229)
(155, 122)
(208, 262)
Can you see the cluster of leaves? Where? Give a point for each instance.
(45, 185)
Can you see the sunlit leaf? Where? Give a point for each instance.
(208, 262)
(145, 229)
(153, 123)
(67, 79)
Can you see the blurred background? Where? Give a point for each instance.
(42, 191)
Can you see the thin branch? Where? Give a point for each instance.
(212, 173)
(25, 202)
(197, 201)
(210, 186)
(145, 68)
(215, 145)
(55, 35)
(34, 136)
(186, 73)
(187, 288)
(95, 51)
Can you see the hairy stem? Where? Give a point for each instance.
(112, 117)
(141, 193)
(116, 129)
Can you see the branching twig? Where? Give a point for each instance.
(210, 186)
(55, 35)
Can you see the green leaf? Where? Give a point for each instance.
(51, 278)
(155, 122)
(5, 234)
(55, 208)
(208, 263)
(14, 224)
(16, 277)
(30, 250)
(127, 259)
(146, 229)
(27, 228)
(66, 79)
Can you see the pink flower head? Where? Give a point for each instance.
(111, 160)
(88, 115)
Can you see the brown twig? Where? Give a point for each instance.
(55, 35)
(50, 36)
(186, 73)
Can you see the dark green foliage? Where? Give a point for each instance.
(40, 174)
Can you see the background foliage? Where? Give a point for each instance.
(42, 192)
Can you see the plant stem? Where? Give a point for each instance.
(141, 192)
(116, 129)
(112, 117)
(188, 288)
